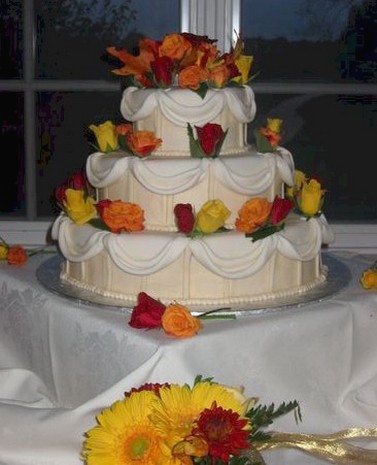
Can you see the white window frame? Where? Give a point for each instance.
(215, 18)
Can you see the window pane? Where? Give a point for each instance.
(72, 36)
(11, 43)
(63, 138)
(12, 186)
(331, 137)
(312, 40)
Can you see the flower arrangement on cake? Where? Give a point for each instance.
(307, 194)
(170, 424)
(74, 199)
(111, 137)
(267, 137)
(187, 60)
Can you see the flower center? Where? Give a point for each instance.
(138, 448)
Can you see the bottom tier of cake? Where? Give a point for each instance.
(219, 270)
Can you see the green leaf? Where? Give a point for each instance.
(99, 224)
(202, 91)
(195, 148)
(265, 231)
(262, 143)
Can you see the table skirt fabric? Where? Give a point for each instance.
(62, 362)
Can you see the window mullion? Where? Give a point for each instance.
(29, 110)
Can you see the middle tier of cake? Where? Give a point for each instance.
(158, 184)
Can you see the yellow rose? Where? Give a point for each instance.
(311, 198)
(274, 124)
(298, 180)
(212, 216)
(79, 208)
(243, 63)
(3, 251)
(106, 136)
(369, 279)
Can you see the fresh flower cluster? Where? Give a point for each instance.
(175, 319)
(74, 199)
(13, 254)
(369, 277)
(210, 218)
(307, 194)
(184, 59)
(209, 141)
(111, 137)
(170, 424)
(267, 138)
(17, 254)
(259, 218)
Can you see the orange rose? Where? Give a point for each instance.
(177, 321)
(253, 214)
(369, 279)
(142, 143)
(174, 46)
(123, 129)
(191, 77)
(219, 76)
(118, 215)
(17, 255)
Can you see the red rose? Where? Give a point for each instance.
(77, 181)
(147, 313)
(162, 68)
(101, 205)
(185, 217)
(60, 195)
(280, 209)
(209, 136)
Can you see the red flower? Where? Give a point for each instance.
(163, 68)
(185, 218)
(147, 313)
(209, 137)
(102, 205)
(280, 209)
(223, 431)
(155, 387)
(77, 181)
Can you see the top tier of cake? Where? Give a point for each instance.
(167, 112)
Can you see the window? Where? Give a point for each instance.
(318, 72)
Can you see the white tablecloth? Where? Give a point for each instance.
(62, 362)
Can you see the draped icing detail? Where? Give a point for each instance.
(182, 106)
(230, 255)
(247, 175)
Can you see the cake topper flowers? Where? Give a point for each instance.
(184, 59)
(211, 218)
(209, 141)
(111, 137)
(170, 424)
(258, 218)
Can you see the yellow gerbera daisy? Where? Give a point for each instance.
(125, 435)
(180, 406)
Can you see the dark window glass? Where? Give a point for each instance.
(72, 36)
(331, 137)
(11, 44)
(315, 40)
(12, 190)
(63, 138)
